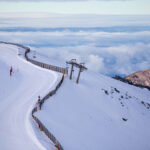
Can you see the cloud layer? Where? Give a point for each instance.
(107, 44)
(58, 20)
(105, 52)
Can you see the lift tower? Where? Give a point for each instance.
(81, 67)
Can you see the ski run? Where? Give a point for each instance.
(98, 113)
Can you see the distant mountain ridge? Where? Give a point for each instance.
(140, 79)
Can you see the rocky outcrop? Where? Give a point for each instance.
(140, 78)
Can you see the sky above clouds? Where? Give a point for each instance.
(77, 6)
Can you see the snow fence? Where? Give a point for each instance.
(51, 93)
(41, 126)
(43, 65)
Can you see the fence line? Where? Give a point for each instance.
(41, 64)
(51, 93)
(40, 125)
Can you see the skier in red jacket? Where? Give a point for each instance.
(11, 70)
(57, 147)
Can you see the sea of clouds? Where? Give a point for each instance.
(117, 48)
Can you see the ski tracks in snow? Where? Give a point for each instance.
(16, 123)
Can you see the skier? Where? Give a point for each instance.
(57, 147)
(11, 70)
(38, 103)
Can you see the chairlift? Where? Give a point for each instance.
(73, 64)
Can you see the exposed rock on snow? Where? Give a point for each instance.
(140, 78)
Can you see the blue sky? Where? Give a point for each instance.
(77, 6)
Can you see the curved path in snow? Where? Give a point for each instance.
(18, 96)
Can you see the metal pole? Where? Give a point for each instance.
(77, 81)
(71, 72)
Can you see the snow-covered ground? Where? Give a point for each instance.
(90, 115)
(98, 113)
(18, 95)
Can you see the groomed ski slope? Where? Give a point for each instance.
(18, 95)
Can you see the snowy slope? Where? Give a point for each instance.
(90, 115)
(18, 96)
(86, 116)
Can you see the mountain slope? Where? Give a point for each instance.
(140, 78)
(98, 113)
